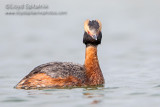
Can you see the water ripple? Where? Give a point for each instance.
(14, 99)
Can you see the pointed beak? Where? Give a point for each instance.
(94, 33)
(94, 37)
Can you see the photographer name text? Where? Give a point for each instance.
(31, 9)
(26, 6)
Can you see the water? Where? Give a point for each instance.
(129, 54)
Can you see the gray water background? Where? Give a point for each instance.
(129, 55)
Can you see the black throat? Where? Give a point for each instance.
(88, 40)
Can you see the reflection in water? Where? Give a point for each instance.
(38, 92)
(95, 101)
(96, 94)
(93, 95)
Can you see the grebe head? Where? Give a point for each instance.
(92, 34)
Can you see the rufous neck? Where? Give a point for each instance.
(92, 67)
(91, 53)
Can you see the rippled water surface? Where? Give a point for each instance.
(129, 55)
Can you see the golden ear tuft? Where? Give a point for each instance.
(86, 27)
(100, 25)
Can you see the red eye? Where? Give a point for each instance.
(88, 32)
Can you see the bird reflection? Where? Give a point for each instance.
(94, 93)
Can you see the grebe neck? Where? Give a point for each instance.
(93, 71)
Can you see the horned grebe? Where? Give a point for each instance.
(66, 74)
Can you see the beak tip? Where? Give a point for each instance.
(94, 37)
